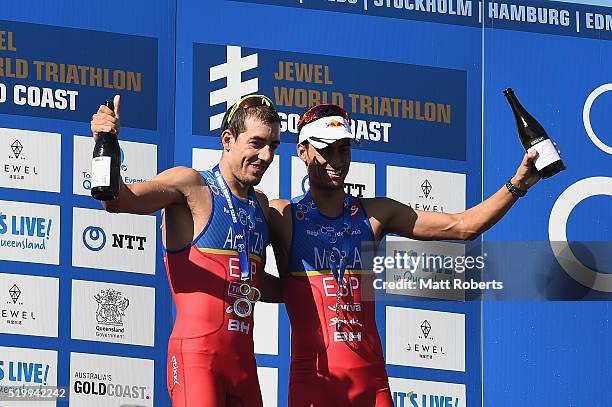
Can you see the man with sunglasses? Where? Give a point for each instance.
(336, 352)
(214, 232)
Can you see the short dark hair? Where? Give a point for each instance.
(265, 114)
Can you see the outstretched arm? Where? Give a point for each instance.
(170, 187)
(395, 217)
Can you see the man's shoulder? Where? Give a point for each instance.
(377, 202)
(280, 204)
(182, 175)
(262, 197)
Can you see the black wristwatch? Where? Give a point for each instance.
(517, 192)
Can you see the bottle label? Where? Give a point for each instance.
(100, 171)
(547, 154)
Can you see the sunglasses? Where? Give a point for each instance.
(319, 111)
(245, 103)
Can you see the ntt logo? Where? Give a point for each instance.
(94, 238)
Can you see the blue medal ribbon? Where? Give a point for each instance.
(242, 226)
(337, 265)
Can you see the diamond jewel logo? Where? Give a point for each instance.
(111, 307)
(425, 328)
(425, 338)
(17, 148)
(14, 292)
(426, 188)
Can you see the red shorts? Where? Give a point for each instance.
(200, 376)
(340, 387)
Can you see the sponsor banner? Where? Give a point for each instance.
(29, 305)
(359, 182)
(27, 368)
(421, 393)
(115, 241)
(205, 159)
(29, 232)
(427, 190)
(30, 160)
(113, 313)
(423, 338)
(110, 381)
(432, 266)
(422, 113)
(38, 78)
(268, 381)
(569, 19)
(138, 163)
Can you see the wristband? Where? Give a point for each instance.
(517, 192)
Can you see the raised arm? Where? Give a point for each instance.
(170, 187)
(394, 217)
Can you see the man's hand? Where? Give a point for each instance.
(105, 120)
(526, 175)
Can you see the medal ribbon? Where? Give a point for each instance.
(338, 266)
(242, 233)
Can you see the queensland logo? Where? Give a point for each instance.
(94, 238)
(110, 313)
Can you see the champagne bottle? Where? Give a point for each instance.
(534, 137)
(105, 165)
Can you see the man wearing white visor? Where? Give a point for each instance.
(336, 352)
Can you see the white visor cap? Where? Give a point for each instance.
(326, 130)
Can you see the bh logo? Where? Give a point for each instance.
(569, 199)
(94, 238)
